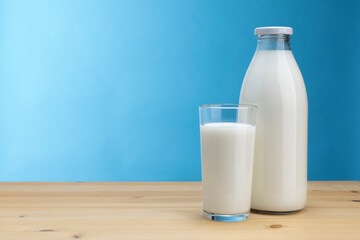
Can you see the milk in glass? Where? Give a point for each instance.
(227, 150)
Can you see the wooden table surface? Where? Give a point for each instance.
(143, 211)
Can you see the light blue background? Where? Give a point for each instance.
(109, 90)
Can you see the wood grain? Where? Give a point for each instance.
(164, 211)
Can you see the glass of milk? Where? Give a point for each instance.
(227, 152)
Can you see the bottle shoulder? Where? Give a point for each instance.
(273, 67)
(273, 75)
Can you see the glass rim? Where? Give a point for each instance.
(227, 106)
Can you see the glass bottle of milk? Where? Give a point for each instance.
(274, 83)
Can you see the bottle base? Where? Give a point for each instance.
(274, 212)
(226, 217)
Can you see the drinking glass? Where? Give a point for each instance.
(227, 152)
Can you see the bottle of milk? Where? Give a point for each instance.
(274, 83)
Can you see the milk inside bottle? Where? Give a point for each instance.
(273, 82)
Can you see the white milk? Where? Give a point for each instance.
(274, 83)
(227, 164)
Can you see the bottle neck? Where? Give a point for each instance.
(273, 42)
